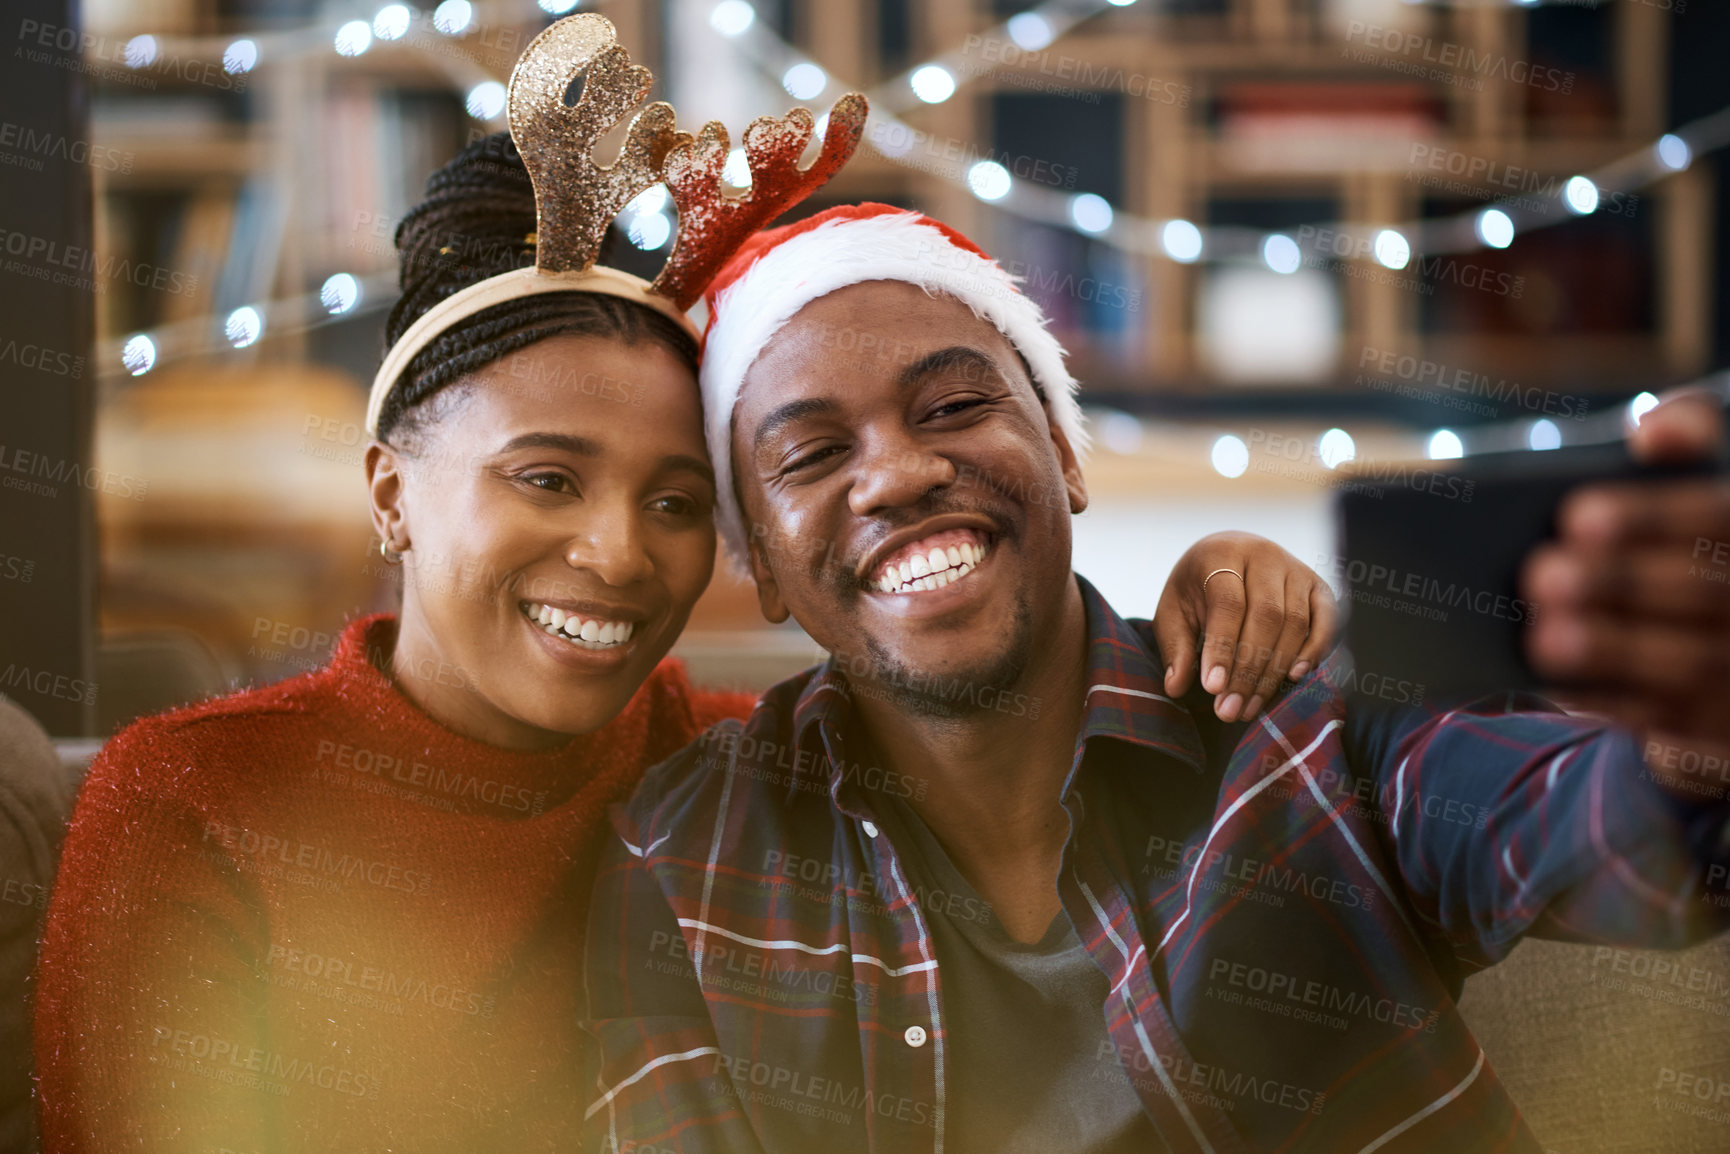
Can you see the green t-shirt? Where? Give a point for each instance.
(1030, 1066)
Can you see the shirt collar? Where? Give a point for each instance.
(1125, 701)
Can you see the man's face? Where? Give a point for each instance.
(906, 496)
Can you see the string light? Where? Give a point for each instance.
(486, 100)
(340, 293)
(353, 38)
(244, 326)
(139, 354)
(453, 16)
(1230, 456)
(391, 23)
(732, 17)
(239, 57)
(1495, 228)
(1581, 196)
(933, 84)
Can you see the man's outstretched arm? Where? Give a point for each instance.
(1509, 817)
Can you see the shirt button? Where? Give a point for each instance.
(915, 1036)
(871, 831)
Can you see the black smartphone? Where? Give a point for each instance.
(1429, 559)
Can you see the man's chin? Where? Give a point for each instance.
(948, 689)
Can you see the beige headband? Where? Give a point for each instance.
(522, 282)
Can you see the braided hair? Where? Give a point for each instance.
(478, 220)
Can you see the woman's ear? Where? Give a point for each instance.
(387, 493)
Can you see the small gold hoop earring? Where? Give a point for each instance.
(390, 558)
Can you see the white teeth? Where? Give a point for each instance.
(906, 572)
(952, 555)
(588, 634)
(939, 560)
(921, 564)
(969, 554)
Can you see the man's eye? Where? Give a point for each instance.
(954, 407)
(815, 458)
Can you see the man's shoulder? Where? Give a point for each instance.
(737, 765)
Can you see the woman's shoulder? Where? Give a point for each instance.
(204, 739)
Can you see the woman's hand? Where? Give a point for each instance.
(1279, 620)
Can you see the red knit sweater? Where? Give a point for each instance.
(308, 917)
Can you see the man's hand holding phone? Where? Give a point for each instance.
(1635, 594)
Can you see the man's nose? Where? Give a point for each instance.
(896, 471)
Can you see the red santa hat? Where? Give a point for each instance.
(781, 270)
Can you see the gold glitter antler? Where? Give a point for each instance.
(575, 198)
(712, 225)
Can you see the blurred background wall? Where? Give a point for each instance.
(1282, 239)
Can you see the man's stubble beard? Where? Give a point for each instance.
(955, 694)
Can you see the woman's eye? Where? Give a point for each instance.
(674, 506)
(550, 482)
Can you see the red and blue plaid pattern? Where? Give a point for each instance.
(1285, 912)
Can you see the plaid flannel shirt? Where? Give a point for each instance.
(1285, 912)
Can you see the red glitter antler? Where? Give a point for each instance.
(713, 225)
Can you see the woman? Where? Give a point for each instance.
(343, 912)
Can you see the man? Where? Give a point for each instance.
(976, 884)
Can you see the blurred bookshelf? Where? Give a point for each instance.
(1258, 113)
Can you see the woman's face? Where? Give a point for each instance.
(556, 529)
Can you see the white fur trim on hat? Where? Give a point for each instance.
(899, 247)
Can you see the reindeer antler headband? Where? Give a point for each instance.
(576, 199)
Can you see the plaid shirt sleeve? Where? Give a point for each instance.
(662, 1085)
(1507, 817)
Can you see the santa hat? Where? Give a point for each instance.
(780, 271)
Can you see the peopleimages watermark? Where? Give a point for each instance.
(755, 972)
(1353, 253)
(17, 678)
(254, 1067)
(815, 1096)
(1172, 857)
(370, 985)
(1386, 587)
(1716, 567)
(38, 474)
(1446, 61)
(1321, 1003)
(19, 569)
(1437, 379)
(822, 881)
(24, 147)
(1485, 178)
(1038, 70)
(43, 259)
(1299, 459)
(115, 60)
(1214, 1085)
(900, 141)
(27, 355)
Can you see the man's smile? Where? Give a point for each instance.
(932, 562)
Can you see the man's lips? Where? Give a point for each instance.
(932, 562)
